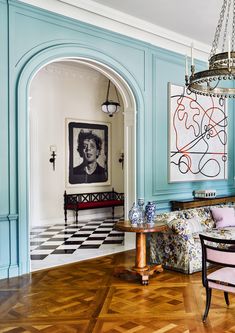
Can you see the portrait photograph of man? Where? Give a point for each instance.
(88, 152)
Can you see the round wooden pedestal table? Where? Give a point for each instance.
(141, 268)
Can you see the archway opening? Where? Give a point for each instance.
(122, 135)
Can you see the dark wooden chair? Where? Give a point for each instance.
(220, 252)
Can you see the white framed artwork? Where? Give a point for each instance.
(198, 137)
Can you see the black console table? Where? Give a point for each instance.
(200, 202)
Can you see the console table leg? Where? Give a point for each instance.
(65, 215)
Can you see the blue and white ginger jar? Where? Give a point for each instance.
(150, 212)
(134, 214)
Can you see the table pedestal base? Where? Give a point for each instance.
(144, 273)
(141, 268)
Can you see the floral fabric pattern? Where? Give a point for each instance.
(179, 248)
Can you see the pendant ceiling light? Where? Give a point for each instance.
(218, 79)
(110, 107)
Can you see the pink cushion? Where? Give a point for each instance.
(221, 277)
(223, 217)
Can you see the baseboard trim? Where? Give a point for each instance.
(9, 271)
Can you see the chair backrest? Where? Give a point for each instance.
(216, 251)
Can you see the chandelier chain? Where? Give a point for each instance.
(233, 26)
(218, 29)
(218, 80)
(226, 26)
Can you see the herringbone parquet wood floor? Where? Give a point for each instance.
(85, 297)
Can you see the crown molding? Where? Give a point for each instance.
(105, 17)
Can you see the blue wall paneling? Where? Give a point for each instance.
(32, 38)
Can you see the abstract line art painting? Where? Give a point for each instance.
(197, 136)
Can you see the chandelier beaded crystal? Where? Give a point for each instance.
(217, 80)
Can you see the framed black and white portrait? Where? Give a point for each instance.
(88, 152)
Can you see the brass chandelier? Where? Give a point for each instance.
(217, 81)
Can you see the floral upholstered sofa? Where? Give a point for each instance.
(179, 248)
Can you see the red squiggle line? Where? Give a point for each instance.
(185, 115)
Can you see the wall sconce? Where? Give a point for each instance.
(53, 156)
(110, 107)
(121, 159)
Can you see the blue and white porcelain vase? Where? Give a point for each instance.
(140, 204)
(134, 214)
(150, 212)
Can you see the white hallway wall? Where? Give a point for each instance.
(61, 91)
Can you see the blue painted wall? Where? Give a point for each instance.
(32, 37)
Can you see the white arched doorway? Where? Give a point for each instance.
(129, 129)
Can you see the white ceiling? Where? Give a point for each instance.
(196, 19)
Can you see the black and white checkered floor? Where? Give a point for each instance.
(48, 241)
